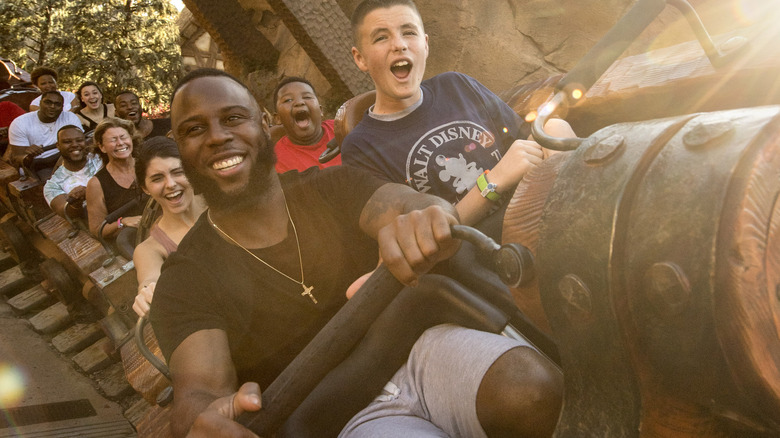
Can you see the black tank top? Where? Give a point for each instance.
(116, 196)
(92, 124)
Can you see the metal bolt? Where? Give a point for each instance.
(667, 288)
(577, 297)
(605, 149)
(703, 133)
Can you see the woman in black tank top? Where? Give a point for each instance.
(93, 110)
(114, 185)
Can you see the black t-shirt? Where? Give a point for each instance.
(211, 284)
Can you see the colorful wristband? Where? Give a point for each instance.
(487, 189)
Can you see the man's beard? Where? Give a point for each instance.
(75, 163)
(255, 189)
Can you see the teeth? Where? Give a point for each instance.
(173, 195)
(228, 163)
(401, 64)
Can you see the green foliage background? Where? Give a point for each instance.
(119, 44)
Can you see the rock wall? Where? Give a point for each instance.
(502, 43)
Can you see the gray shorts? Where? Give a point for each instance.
(434, 394)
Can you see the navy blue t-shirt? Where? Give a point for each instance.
(460, 130)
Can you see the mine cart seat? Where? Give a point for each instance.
(347, 117)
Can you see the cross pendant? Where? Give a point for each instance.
(307, 292)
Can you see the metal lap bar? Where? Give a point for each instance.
(74, 227)
(717, 56)
(141, 344)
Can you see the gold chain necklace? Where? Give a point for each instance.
(306, 289)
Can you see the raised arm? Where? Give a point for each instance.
(96, 207)
(16, 153)
(72, 201)
(522, 157)
(413, 230)
(148, 259)
(205, 383)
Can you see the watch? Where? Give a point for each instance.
(487, 189)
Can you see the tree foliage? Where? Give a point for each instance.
(117, 43)
(28, 27)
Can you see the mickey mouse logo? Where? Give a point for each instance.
(457, 149)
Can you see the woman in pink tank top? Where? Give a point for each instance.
(160, 174)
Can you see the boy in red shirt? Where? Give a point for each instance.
(307, 135)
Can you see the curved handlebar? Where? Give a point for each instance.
(513, 262)
(331, 151)
(119, 212)
(112, 217)
(27, 160)
(139, 342)
(74, 227)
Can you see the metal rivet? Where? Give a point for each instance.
(702, 133)
(667, 288)
(577, 297)
(604, 149)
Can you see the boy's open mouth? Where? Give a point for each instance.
(401, 69)
(302, 119)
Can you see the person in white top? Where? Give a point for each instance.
(30, 133)
(45, 79)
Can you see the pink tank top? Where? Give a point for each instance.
(159, 235)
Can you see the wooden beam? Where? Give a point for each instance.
(322, 29)
(244, 47)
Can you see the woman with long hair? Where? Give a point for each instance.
(93, 110)
(160, 174)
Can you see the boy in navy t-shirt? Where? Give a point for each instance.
(449, 135)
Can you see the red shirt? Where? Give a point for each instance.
(8, 112)
(291, 156)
